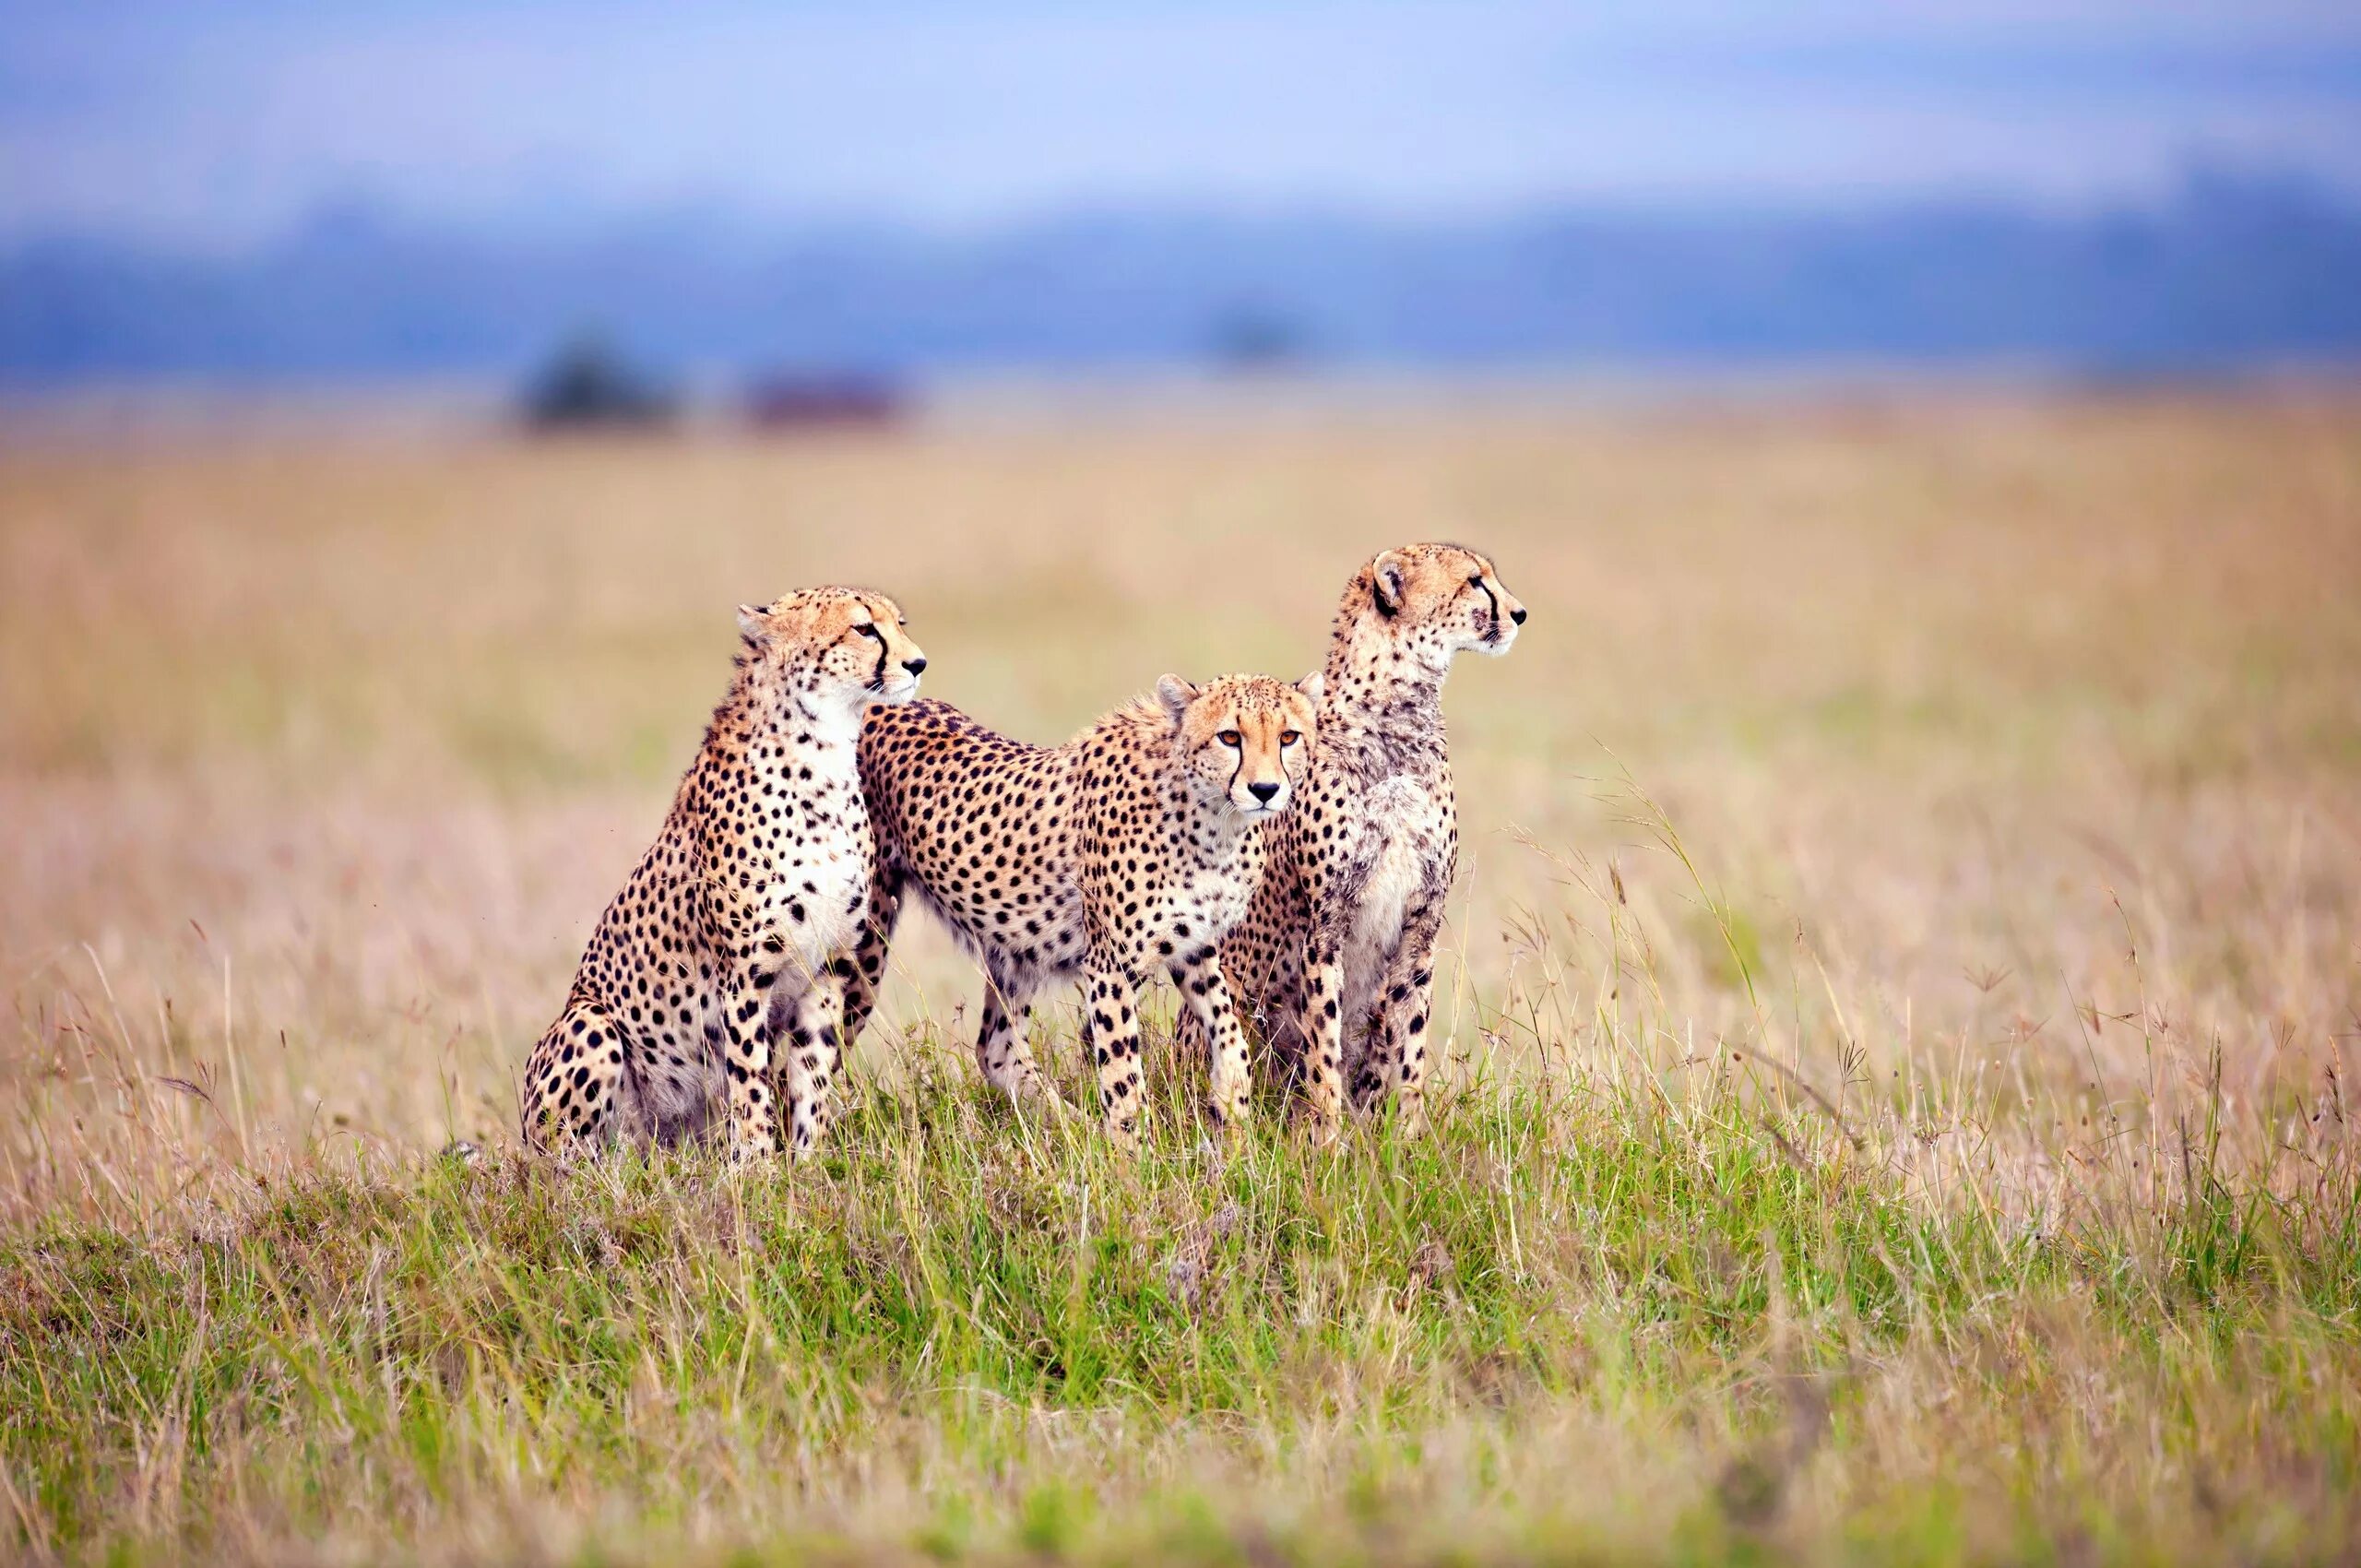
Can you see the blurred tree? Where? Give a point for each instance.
(1250, 336)
(588, 385)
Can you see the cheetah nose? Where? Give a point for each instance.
(915, 666)
(1517, 615)
(1263, 792)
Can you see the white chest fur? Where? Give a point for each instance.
(835, 920)
(1402, 827)
(1216, 899)
(820, 875)
(1403, 833)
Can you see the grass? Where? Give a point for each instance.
(1579, 1320)
(1894, 1107)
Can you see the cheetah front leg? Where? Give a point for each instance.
(866, 971)
(754, 1119)
(1322, 1028)
(1276, 1017)
(1005, 1053)
(814, 1049)
(1199, 977)
(1397, 1058)
(1113, 1028)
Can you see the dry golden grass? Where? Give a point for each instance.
(373, 728)
(2014, 749)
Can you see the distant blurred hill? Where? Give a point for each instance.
(2226, 273)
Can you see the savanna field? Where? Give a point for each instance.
(1895, 1104)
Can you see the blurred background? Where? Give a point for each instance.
(824, 212)
(1925, 437)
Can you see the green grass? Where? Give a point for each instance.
(1581, 1321)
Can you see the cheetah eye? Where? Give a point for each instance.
(1289, 737)
(869, 629)
(1228, 738)
(1475, 581)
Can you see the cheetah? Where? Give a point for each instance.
(1134, 846)
(737, 925)
(1336, 960)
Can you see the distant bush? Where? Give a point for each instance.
(792, 401)
(589, 386)
(1247, 338)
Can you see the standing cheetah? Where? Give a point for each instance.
(733, 924)
(1336, 957)
(1133, 846)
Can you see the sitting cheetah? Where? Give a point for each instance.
(733, 924)
(1336, 958)
(1133, 845)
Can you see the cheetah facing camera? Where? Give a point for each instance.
(1135, 845)
(1336, 960)
(734, 927)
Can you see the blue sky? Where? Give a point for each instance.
(222, 124)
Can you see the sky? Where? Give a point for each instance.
(221, 125)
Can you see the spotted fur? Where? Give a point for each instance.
(736, 926)
(1335, 961)
(1133, 846)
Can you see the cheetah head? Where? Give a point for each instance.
(1440, 599)
(836, 643)
(1244, 741)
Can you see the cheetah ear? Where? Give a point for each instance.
(1314, 685)
(751, 625)
(1175, 694)
(1386, 584)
